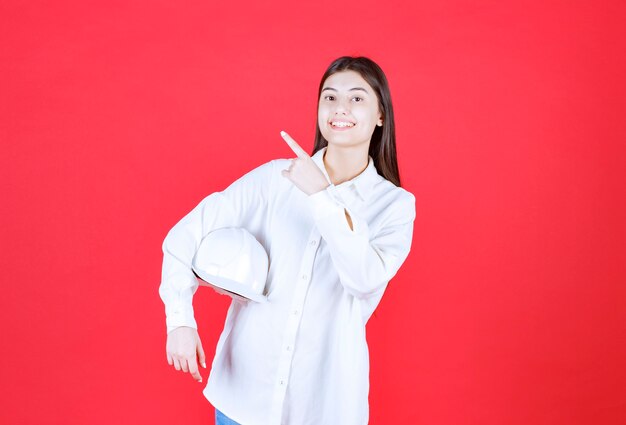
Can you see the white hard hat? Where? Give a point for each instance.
(232, 259)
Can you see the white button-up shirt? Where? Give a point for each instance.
(302, 357)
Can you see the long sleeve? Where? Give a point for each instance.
(240, 205)
(365, 262)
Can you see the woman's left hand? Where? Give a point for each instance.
(303, 172)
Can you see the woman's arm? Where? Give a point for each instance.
(364, 261)
(242, 204)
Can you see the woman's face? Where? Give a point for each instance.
(348, 112)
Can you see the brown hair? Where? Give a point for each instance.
(383, 142)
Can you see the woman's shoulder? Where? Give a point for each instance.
(268, 173)
(280, 164)
(274, 165)
(270, 167)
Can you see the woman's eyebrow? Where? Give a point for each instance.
(352, 89)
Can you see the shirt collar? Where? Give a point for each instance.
(363, 183)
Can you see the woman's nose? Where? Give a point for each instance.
(342, 107)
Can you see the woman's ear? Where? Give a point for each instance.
(381, 117)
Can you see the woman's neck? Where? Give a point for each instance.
(343, 164)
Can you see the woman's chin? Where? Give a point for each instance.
(345, 138)
(342, 141)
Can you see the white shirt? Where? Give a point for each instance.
(302, 357)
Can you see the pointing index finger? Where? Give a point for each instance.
(295, 147)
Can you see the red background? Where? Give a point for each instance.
(118, 117)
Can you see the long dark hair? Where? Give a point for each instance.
(383, 143)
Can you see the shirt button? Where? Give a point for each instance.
(282, 382)
(295, 312)
(313, 243)
(304, 277)
(288, 348)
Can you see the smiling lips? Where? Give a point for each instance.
(341, 124)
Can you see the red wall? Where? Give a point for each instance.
(117, 118)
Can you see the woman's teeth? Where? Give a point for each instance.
(342, 124)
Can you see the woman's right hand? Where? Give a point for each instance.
(184, 351)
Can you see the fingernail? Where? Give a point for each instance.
(204, 365)
(282, 133)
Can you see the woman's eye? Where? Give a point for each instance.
(329, 97)
(357, 99)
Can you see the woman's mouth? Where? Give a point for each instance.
(341, 125)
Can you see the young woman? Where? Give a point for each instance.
(337, 226)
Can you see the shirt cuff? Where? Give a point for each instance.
(178, 317)
(325, 203)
